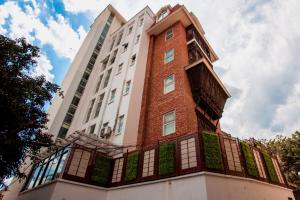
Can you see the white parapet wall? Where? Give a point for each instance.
(198, 186)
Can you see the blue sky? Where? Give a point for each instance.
(257, 41)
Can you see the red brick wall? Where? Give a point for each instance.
(156, 103)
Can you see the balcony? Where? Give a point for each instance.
(192, 35)
(208, 91)
(90, 160)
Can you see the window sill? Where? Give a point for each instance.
(125, 93)
(165, 135)
(165, 93)
(110, 102)
(119, 133)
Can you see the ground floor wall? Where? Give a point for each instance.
(198, 186)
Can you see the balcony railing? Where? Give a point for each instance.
(192, 33)
(207, 151)
(207, 91)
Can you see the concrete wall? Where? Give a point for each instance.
(128, 105)
(199, 186)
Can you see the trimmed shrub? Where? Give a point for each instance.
(212, 151)
(132, 166)
(270, 168)
(101, 171)
(166, 158)
(249, 159)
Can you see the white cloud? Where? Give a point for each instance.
(57, 33)
(92, 6)
(44, 67)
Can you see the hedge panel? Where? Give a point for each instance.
(132, 166)
(166, 158)
(270, 167)
(249, 159)
(212, 151)
(101, 171)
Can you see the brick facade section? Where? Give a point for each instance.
(155, 102)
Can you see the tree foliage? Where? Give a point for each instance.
(23, 97)
(288, 149)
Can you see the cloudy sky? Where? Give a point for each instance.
(258, 42)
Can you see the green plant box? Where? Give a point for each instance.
(166, 158)
(249, 159)
(101, 171)
(132, 166)
(270, 168)
(212, 151)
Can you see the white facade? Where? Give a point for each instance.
(126, 82)
(197, 186)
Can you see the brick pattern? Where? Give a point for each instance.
(179, 100)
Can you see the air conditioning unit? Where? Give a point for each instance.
(105, 132)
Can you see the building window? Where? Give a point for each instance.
(127, 87)
(133, 60)
(125, 46)
(90, 110)
(169, 56)
(130, 30)
(113, 58)
(278, 172)
(232, 154)
(141, 21)
(99, 104)
(163, 14)
(169, 123)
(169, 84)
(117, 173)
(113, 95)
(119, 38)
(48, 169)
(259, 164)
(137, 39)
(92, 129)
(148, 163)
(188, 153)
(169, 34)
(79, 163)
(120, 68)
(104, 63)
(98, 83)
(120, 124)
(112, 43)
(107, 78)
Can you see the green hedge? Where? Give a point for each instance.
(270, 167)
(212, 151)
(132, 166)
(166, 158)
(249, 159)
(101, 171)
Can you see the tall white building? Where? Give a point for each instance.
(104, 86)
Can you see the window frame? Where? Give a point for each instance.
(130, 28)
(167, 36)
(133, 60)
(137, 39)
(120, 129)
(89, 111)
(127, 87)
(172, 84)
(173, 121)
(169, 58)
(112, 95)
(120, 67)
